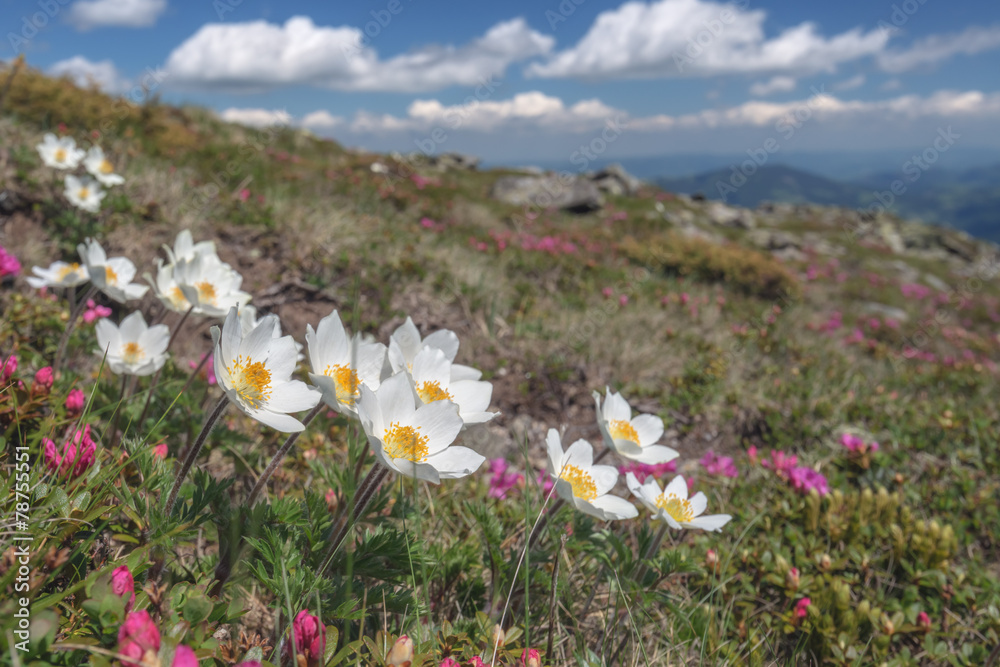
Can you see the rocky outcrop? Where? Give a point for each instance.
(576, 194)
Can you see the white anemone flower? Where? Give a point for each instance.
(185, 248)
(255, 372)
(84, 193)
(632, 438)
(405, 343)
(414, 441)
(432, 381)
(166, 288)
(100, 167)
(582, 484)
(113, 275)
(132, 348)
(59, 274)
(211, 285)
(59, 153)
(342, 364)
(673, 506)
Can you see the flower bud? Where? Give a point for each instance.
(401, 653)
(138, 640)
(450, 662)
(123, 586)
(531, 658)
(924, 621)
(43, 380)
(711, 560)
(184, 657)
(499, 636)
(825, 563)
(75, 402)
(310, 640)
(792, 578)
(888, 627)
(9, 368)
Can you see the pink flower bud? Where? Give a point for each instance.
(160, 450)
(477, 662)
(137, 638)
(607, 292)
(9, 368)
(924, 621)
(792, 578)
(43, 380)
(123, 585)
(184, 657)
(801, 608)
(623, 300)
(531, 658)
(310, 640)
(401, 653)
(450, 662)
(75, 402)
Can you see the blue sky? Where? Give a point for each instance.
(533, 80)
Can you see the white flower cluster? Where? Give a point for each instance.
(83, 192)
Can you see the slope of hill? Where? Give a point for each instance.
(828, 379)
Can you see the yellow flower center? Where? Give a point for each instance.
(432, 391)
(60, 155)
(677, 508)
(206, 292)
(405, 442)
(106, 167)
(252, 381)
(110, 277)
(84, 193)
(347, 382)
(132, 353)
(581, 481)
(622, 430)
(177, 298)
(64, 272)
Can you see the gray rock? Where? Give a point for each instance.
(729, 216)
(614, 180)
(936, 282)
(773, 240)
(573, 194)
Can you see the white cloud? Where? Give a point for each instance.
(669, 38)
(936, 48)
(87, 14)
(777, 84)
(531, 110)
(850, 84)
(321, 120)
(85, 73)
(259, 55)
(891, 84)
(256, 117)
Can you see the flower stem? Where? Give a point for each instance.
(258, 488)
(349, 516)
(156, 378)
(74, 315)
(195, 450)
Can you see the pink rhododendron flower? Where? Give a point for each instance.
(160, 450)
(75, 402)
(9, 265)
(607, 292)
(502, 481)
(856, 444)
(43, 380)
(138, 638)
(804, 478)
(752, 454)
(95, 312)
(531, 658)
(623, 300)
(427, 223)
(450, 662)
(123, 585)
(9, 368)
(719, 465)
(309, 640)
(644, 470)
(77, 455)
(801, 608)
(924, 621)
(781, 463)
(184, 657)
(244, 194)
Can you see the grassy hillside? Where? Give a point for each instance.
(748, 334)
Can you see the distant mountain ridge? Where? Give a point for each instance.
(967, 199)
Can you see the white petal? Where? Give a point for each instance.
(616, 408)
(407, 338)
(439, 422)
(334, 346)
(424, 471)
(276, 420)
(431, 365)
(455, 462)
(605, 478)
(232, 337)
(132, 327)
(614, 507)
(395, 398)
(471, 395)
(294, 396)
(677, 487)
(460, 372)
(698, 503)
(654, 454)
(443, 340)
(256, 345)
(553, 445)
(649, 429)
(107, 335)
(712, 522)
(282, 358)
(579, 454)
